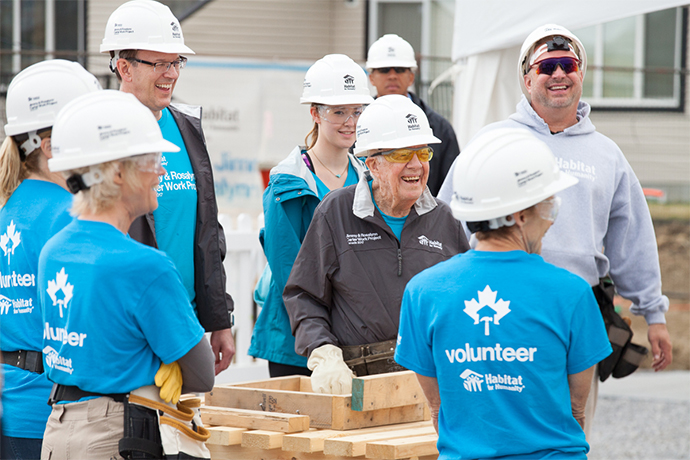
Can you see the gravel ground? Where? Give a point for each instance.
(631, 428)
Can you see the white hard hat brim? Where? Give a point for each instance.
(169, 48)
(75, 160)
(401, 143)
(390, 63)
(337, 100)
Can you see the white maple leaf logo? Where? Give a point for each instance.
(11, 236)
(487, 299)
(60, 284)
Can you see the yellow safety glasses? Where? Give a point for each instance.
(405, 155)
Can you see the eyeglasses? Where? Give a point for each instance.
(405, 155)
(548, 66)
(149, 162)
(388, 69)
(340, 115)
(162, 67)
(548, 209)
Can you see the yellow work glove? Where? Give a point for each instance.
(169, 379)
(330, 374)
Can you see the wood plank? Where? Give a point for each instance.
(356, 445)
(403, 447)
(257, 420)
(262, 439)
(288, 383)
(313, 441)
(383, 391)
(225, 435)
(249, 453)
(379, 417)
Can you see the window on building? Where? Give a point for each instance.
(635, 62)
(34, 30)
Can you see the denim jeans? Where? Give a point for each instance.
(20, 448)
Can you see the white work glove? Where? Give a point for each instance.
(330, 374)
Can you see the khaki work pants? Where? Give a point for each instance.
(84, 431)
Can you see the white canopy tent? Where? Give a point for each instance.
(486, 44)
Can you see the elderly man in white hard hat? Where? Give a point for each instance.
(503, 343)
(391, 65)
(606, 229)
(147, 51)
(364, 244)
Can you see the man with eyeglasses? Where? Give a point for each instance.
(147, 50)
(604, 228)
(391, 65)
(364, 243)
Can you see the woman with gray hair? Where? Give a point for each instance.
(114, 310)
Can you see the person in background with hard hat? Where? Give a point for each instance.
(114, 309)
(606, 229)
(147, 61)
(336, 89)
(35, 205)
(504, 344)
(391, 65)
(364, 244)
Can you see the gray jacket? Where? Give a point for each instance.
(213, 304)
(347, 283)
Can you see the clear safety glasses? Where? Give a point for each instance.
(162, 67)
(149, 162)
(405, 155)
(548, 209)
(549, 66)
(340, 115)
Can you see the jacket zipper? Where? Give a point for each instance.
(399, 260)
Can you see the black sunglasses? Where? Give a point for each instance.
(388, 69)
(548, 66)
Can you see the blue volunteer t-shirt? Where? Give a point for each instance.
(35, 212)
(501, 332)
(113, 309)
(175, 216)
(321, 188)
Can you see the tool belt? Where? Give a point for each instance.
(155, 429)
(372, 358)
(626, 356)
(31, 361)
(72, 393)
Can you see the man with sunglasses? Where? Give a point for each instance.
(364, 243)
(604, 227)
(146, 47)
(391, 65)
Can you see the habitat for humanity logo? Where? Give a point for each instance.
(60, 291)
(175, 30)
(54, 361)
(412, 123)
(349, 82)
(424, 241)
(391, 51)
(473, 380)
(486, 309)
(10, 240)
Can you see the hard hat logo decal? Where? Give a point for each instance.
(349, 82)
(487, 309)
(525, 177)
(175, 30)
(121, 29)
(60, 284)
(106, 132)
(391, 51)
(10, 240)
(412, 122)
(361, 131)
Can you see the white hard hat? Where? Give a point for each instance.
(144, 25)
(504, 171)
(104, 126)
(37, 93)
(335, 79)
(392, 122)
(538, 34)
(390, 51)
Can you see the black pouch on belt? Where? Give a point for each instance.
(372, 358)
(142, 437)
(626, 356)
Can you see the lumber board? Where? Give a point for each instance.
(379, 417)
(262, 439)
(403, 448)
(313, 441)
(356, 445)
(243, 453)
(257, 420)
(386, 390)
(225, 435)
(288, 383)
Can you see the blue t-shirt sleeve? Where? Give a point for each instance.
(413, 349)
(166, 317)
(589, 342)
